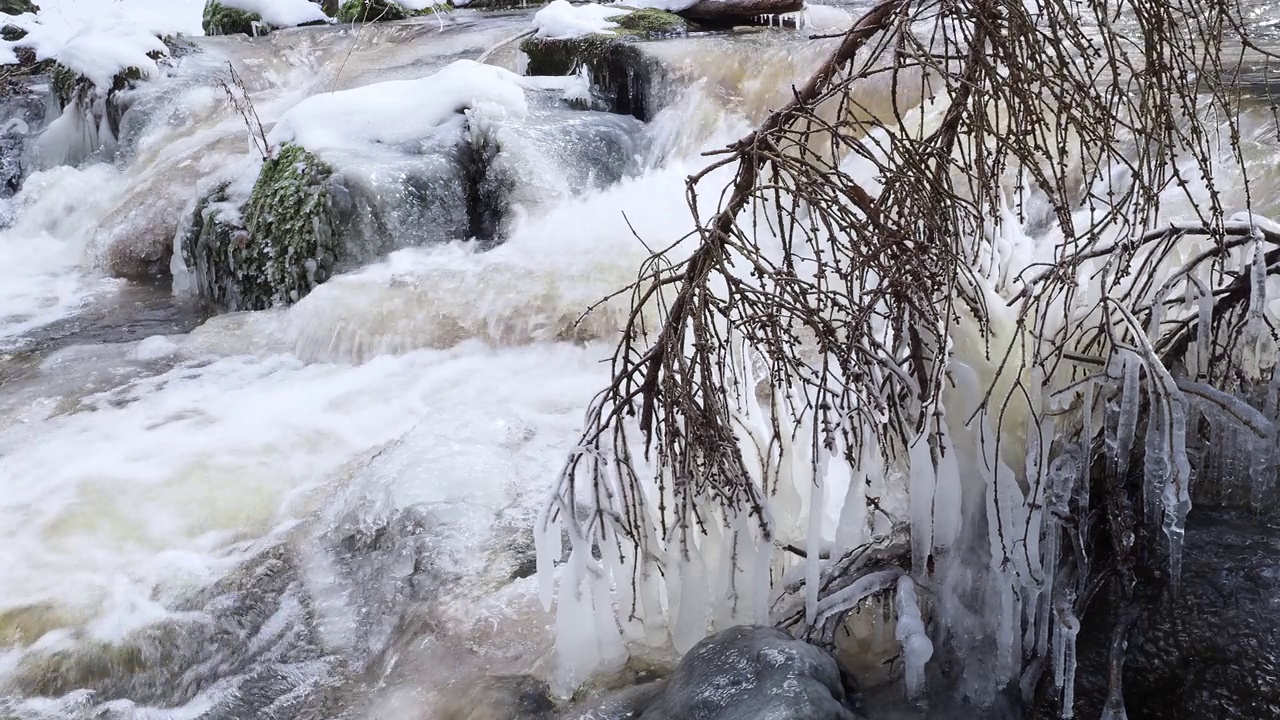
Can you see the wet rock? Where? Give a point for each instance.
(22, 115)
(622, 75)
(503, 697)
(1213, 651)
(377, 11)
(754, 673)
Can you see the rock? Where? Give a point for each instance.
(12, 33)
(222, 20)
(754, 673)
(502, 697)
(330, 7)
(377, 10)
(1213, 652)
(621, 74)
(731, 13)
(22, 114)
(17, 7)
(274, 249)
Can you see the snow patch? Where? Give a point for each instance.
(282, 13)
(407, 111)
(562, 21)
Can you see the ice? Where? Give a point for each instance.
(813, 546)
(910, 632)
(560, 20)
(285, 13)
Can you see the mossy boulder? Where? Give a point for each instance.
(275, 248)
(17, 7)
(621, 73)
(222, 20)
(379, 10)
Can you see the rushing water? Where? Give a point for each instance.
(323, 510)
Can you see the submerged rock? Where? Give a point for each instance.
(743, 673)
(378, 10)
(621, 73)
(1211, 652)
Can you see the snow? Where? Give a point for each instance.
(561, 21)
(99, 39)
(667, 5)
(407, 111)
(281, 13)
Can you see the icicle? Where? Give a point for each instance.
(947, 490)
(852, 530)
(547, 546)
(1177, 493)
(921, 482)
(1066, 627)
(1086, 448)
(1127, 421)
(911, 635)
(1156, 467)
(690, 606)
(1204, 325)
(813, 549)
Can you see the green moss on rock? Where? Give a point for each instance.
(273, 250)
(650, 24)
(222, 20)
(379, 10)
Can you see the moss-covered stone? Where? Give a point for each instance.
(273, 250)
(222, 20)
(620, 72)
(17, 7)
(649, 24)
(379, 10)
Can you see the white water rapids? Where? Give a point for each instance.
(358, 473)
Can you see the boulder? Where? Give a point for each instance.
(378, 10)
(622, 75)
(276, 247)
(755, 673)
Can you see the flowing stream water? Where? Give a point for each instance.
(319, 511)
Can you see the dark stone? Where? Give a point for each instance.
(755, 673)
(17, 7)
(622, 75)
(624, 704)
(1211, 652)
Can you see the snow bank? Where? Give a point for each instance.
(562, 21)
(406, 111)
(282, 13)
(674, 6)
(100, 38)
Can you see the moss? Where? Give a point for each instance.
(222, 20)
(649, 24)
(379, 10)
(274, 249)
(290, 218)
